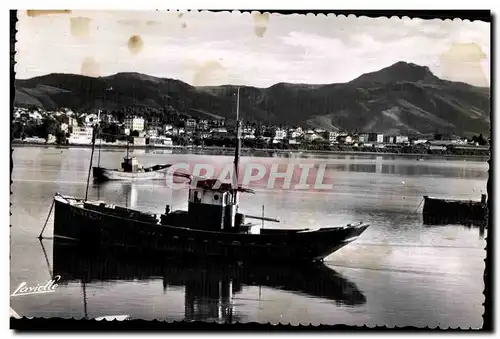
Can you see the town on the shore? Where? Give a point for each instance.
(66, 127)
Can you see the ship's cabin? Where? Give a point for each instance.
(212, 205)
(130, 164)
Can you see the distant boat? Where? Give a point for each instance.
(131, 170)
(156, 172)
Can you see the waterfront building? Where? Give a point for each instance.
(311, 136)
(191, 123)
(388, 139)
(81, 136)
(364, 138)
(279, 134)
(153, 132)
(401, 139)
(134, 123)
(376, 137)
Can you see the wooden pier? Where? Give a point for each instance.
(465, 212)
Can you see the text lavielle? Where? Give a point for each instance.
(24, 289)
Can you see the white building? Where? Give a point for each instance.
(332, 136)
(35, 115)
(401, 139)
(364, 137)
(419, 141)
(81, 136)
(218, 130)
(459, 141)
(376, 137)
(51, 139)
(191, 123)
(248, 130)
(134, 123)
(161, 141)
(438, 145)
(36, 140)
(153, 132)
(202, 124)
(292, 134)
(178, 130)
(72, 122)
(279, 134)
(310, 136)
(140, 141)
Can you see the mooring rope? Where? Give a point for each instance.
(47, 220)
(419, 205)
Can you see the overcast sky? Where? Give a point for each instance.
(235, 48)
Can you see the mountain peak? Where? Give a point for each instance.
(391, 100)
(400, 71)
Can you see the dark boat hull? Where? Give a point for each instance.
(442, 212)
(73, 222)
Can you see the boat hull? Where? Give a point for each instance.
(443, 212)
(73, 222)
(104, 174)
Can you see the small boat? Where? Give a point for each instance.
(132, 170)
(446, 211)
(213, 226)
(156, 172)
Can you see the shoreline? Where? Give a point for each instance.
(246, 149)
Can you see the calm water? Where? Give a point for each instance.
(398, 273)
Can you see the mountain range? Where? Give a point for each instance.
(402, 98)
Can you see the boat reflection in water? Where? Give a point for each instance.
(211, 288)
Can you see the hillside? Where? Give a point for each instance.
(401, 98)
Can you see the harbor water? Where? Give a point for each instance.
(399, 272)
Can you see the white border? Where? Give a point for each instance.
(176, 4)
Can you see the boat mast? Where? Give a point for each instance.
(91, 158)
(237, 151)
(100, 137)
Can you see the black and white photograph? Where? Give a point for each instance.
(250, 167)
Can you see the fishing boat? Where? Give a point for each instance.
(131, 170)
(212, 226)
